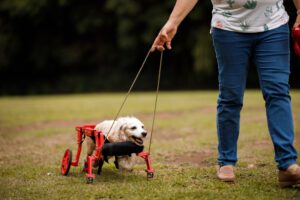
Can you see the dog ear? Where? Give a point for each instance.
(123, 135)
(123, 128)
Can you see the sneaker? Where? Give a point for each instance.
(290, 176)
(225, 173)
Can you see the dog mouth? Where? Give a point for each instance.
(137, 140)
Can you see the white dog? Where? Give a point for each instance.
(124, 129)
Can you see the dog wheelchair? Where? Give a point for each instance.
(102, 151)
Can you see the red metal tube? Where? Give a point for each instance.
(79, 142)
(90, 161)
(146, 157)
(99, 144)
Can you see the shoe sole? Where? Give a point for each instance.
(284, 184)
(226, 179)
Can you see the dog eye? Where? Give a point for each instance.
(133, 128)
(143, 127)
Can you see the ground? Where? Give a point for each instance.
(35, 131)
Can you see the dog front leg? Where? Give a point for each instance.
(126, 163)
(90, 144)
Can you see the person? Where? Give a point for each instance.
(243, 30)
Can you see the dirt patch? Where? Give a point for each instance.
(263, 143)
(166, 135)
(211, 109)
(38, 150)
(68, 123)
(177, 114)
(196, 158)
(44, 125)
(199, 158)
(252, 120)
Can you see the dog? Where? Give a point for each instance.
(123, 129)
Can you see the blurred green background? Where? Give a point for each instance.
(72, 46)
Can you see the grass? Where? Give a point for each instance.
(35, 131)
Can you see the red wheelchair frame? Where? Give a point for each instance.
(88, 130)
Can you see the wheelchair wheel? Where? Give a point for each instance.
(150, 175)
(66, 162)
(89, 180)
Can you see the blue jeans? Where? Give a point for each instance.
(270, 52)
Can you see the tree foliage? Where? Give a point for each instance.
(50, 46)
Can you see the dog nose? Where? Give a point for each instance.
(144, 134)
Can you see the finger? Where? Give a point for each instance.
(159, 42)
(160, 48)
(297, 22)
(164, 36)
(296, 25)
(167, 39)
(157, 47)
(155, 44)
(168, 44)
(152, 49)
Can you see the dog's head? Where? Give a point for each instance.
(133, 129)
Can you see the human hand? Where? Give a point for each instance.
(165, 36)
(297, 22)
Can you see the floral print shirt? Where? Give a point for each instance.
(249, 16)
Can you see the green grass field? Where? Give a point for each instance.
(35, 131)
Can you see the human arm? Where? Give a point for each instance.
(297, 5)
(168, 31)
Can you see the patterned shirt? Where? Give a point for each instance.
(249, 16)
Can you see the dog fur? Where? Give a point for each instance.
(124, 129)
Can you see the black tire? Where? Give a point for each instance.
(150, 174)
(89, 180)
